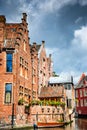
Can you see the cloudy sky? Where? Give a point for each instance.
(63, 26)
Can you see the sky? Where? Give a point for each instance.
(62, 24)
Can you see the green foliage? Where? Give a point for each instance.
(35, 102)
(61, 120)
(47, 102)
(21, 101)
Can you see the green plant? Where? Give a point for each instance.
(35, 102)
(62, 104)
(27, 109)
(61, 120)
(21, 101)
(47, 102)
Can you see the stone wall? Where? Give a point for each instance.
(46, 113)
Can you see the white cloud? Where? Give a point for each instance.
(53, 5)
(83, 2)
(80, 37)
(76, 75)
(8, 2)
(51, 50)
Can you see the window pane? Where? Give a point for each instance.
(9, 62)
(69, 87)
(8, 91)
(9, 56)
(8, 97)
(8, 87)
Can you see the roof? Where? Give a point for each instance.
(81, 78)
(49, 92)
(61, 79)
(82, 82)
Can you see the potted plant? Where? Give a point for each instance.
(21, 101)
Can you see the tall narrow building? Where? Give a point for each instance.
(44, 66)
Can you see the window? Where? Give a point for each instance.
(9, 62)
(85, 91)
(80, 93)
(24, 94)
(85, 102)
(69, 86)
(81, 103)
(24, 46)
(69, 103)
(8, 92)
(21, 66)
(65, 86)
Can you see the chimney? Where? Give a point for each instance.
(43, 43)
(24, 19)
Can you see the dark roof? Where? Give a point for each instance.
(56, 91)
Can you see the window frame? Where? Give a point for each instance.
(8, 92)
(9, 62)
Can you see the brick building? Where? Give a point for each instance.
(15, 71)
(44, 66)
(41, 67)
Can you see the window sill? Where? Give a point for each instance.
(7, 104)
(8, 72)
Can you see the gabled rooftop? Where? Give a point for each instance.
(82, 81)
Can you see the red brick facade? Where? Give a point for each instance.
(14, 39)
